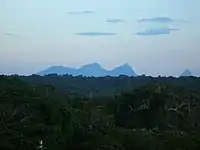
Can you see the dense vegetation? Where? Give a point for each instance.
(106, 86)
(146, 113)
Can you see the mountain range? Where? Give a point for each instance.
(93, 69)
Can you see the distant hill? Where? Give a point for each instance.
(186, 73)
(93, 69)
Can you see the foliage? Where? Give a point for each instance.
(157, 114)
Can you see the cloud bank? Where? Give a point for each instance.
(156, 31)
(81, 12)
(114, 20)
(160, 20)
(10, 34)
(96, 34)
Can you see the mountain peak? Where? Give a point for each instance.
(57, 70)
(124, 69)
(126, 65)
(91, 66)
(95, 64)
(186, 73)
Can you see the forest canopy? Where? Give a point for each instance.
(109, 113)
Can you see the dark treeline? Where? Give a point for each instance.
(141, 113)
(107, 86)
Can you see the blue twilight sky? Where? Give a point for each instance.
(153, 36)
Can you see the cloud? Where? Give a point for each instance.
(160, 20)
(10, 34)
(156, 31)
(81, 12)
(114, 20)
(96, 33)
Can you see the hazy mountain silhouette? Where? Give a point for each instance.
(123, 70)
(186, 73)
(93, 69)
(58, 70)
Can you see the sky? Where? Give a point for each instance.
(155, 37)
